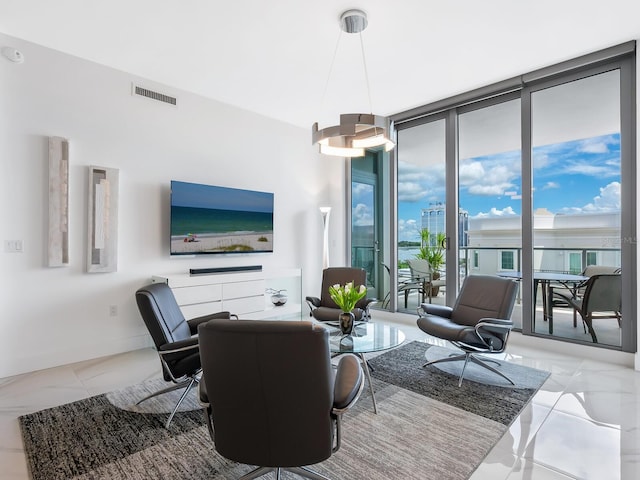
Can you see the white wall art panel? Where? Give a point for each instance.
(58, 240)
(102, 241)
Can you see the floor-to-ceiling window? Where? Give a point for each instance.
(532, 178)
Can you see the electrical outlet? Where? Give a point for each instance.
(113, 310)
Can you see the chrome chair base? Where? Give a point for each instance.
(189, 383)
(469, 356)
(302, 471)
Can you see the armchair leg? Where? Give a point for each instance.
(452, 358)
(302, 471)
(477, 361)
(192, 383)
(258, 472)
(466, 357)
(189, 383)
(171, 388)
(307, 473)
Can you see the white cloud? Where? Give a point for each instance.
(359, 189)
(550, 185)
(408, 230)
(361, 215)
(411, 192)
(594, 145)
(494, 212)
(610, 169)
(419, 184)
(489, 177)
(607, 201)
(541, 160)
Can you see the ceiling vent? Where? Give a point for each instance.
(160, 97)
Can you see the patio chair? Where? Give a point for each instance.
(422, 280)
(602, 299)
(559, 297)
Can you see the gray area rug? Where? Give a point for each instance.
(426, 428)
(482, 392)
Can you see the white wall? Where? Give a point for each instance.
(53, 316)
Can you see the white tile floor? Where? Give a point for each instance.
(584, 422)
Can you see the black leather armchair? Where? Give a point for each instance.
(174, 337)
(270, 394)
(478, 322)
(325, 309)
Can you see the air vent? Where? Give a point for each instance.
(160, 97)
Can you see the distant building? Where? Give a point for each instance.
(563, 243)
(433, 219)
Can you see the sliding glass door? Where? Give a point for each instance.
(490, 189)
(369, 220)
(421, 217)
(576, 202)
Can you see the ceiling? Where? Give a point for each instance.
(273, 57)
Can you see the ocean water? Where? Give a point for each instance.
(185, 220)
(407, 253)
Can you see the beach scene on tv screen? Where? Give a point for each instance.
(212, 219)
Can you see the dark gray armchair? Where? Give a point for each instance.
(479, 321)
(270, 394)
(174, 337)
(325, 309)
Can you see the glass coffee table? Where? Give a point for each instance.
(367, 337)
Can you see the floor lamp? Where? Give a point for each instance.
(325, 242)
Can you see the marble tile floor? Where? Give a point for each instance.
(584, 423)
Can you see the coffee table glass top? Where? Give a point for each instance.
(367, 337)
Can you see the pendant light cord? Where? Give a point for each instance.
(333, 61)
(366, 73)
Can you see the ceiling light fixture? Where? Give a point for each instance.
(356, 131)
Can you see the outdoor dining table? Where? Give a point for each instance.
(545, 280)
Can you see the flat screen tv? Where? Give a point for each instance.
(207, 219)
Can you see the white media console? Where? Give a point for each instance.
(242, 293)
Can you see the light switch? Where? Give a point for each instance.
(13, 246)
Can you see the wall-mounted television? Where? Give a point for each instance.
(208, 219)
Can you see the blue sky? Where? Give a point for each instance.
(185, 194)
(571, 177)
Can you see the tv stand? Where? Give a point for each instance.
(242, 293)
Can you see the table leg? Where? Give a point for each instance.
(543, 291)
(550, 307)
(365, 366)
(535, 300)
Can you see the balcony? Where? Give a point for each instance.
(487, 260)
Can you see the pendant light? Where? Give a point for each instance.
(356, 131)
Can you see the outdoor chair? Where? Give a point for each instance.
(423, 280)
(561, 292)
(602, 299)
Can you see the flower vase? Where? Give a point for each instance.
(347, 320)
